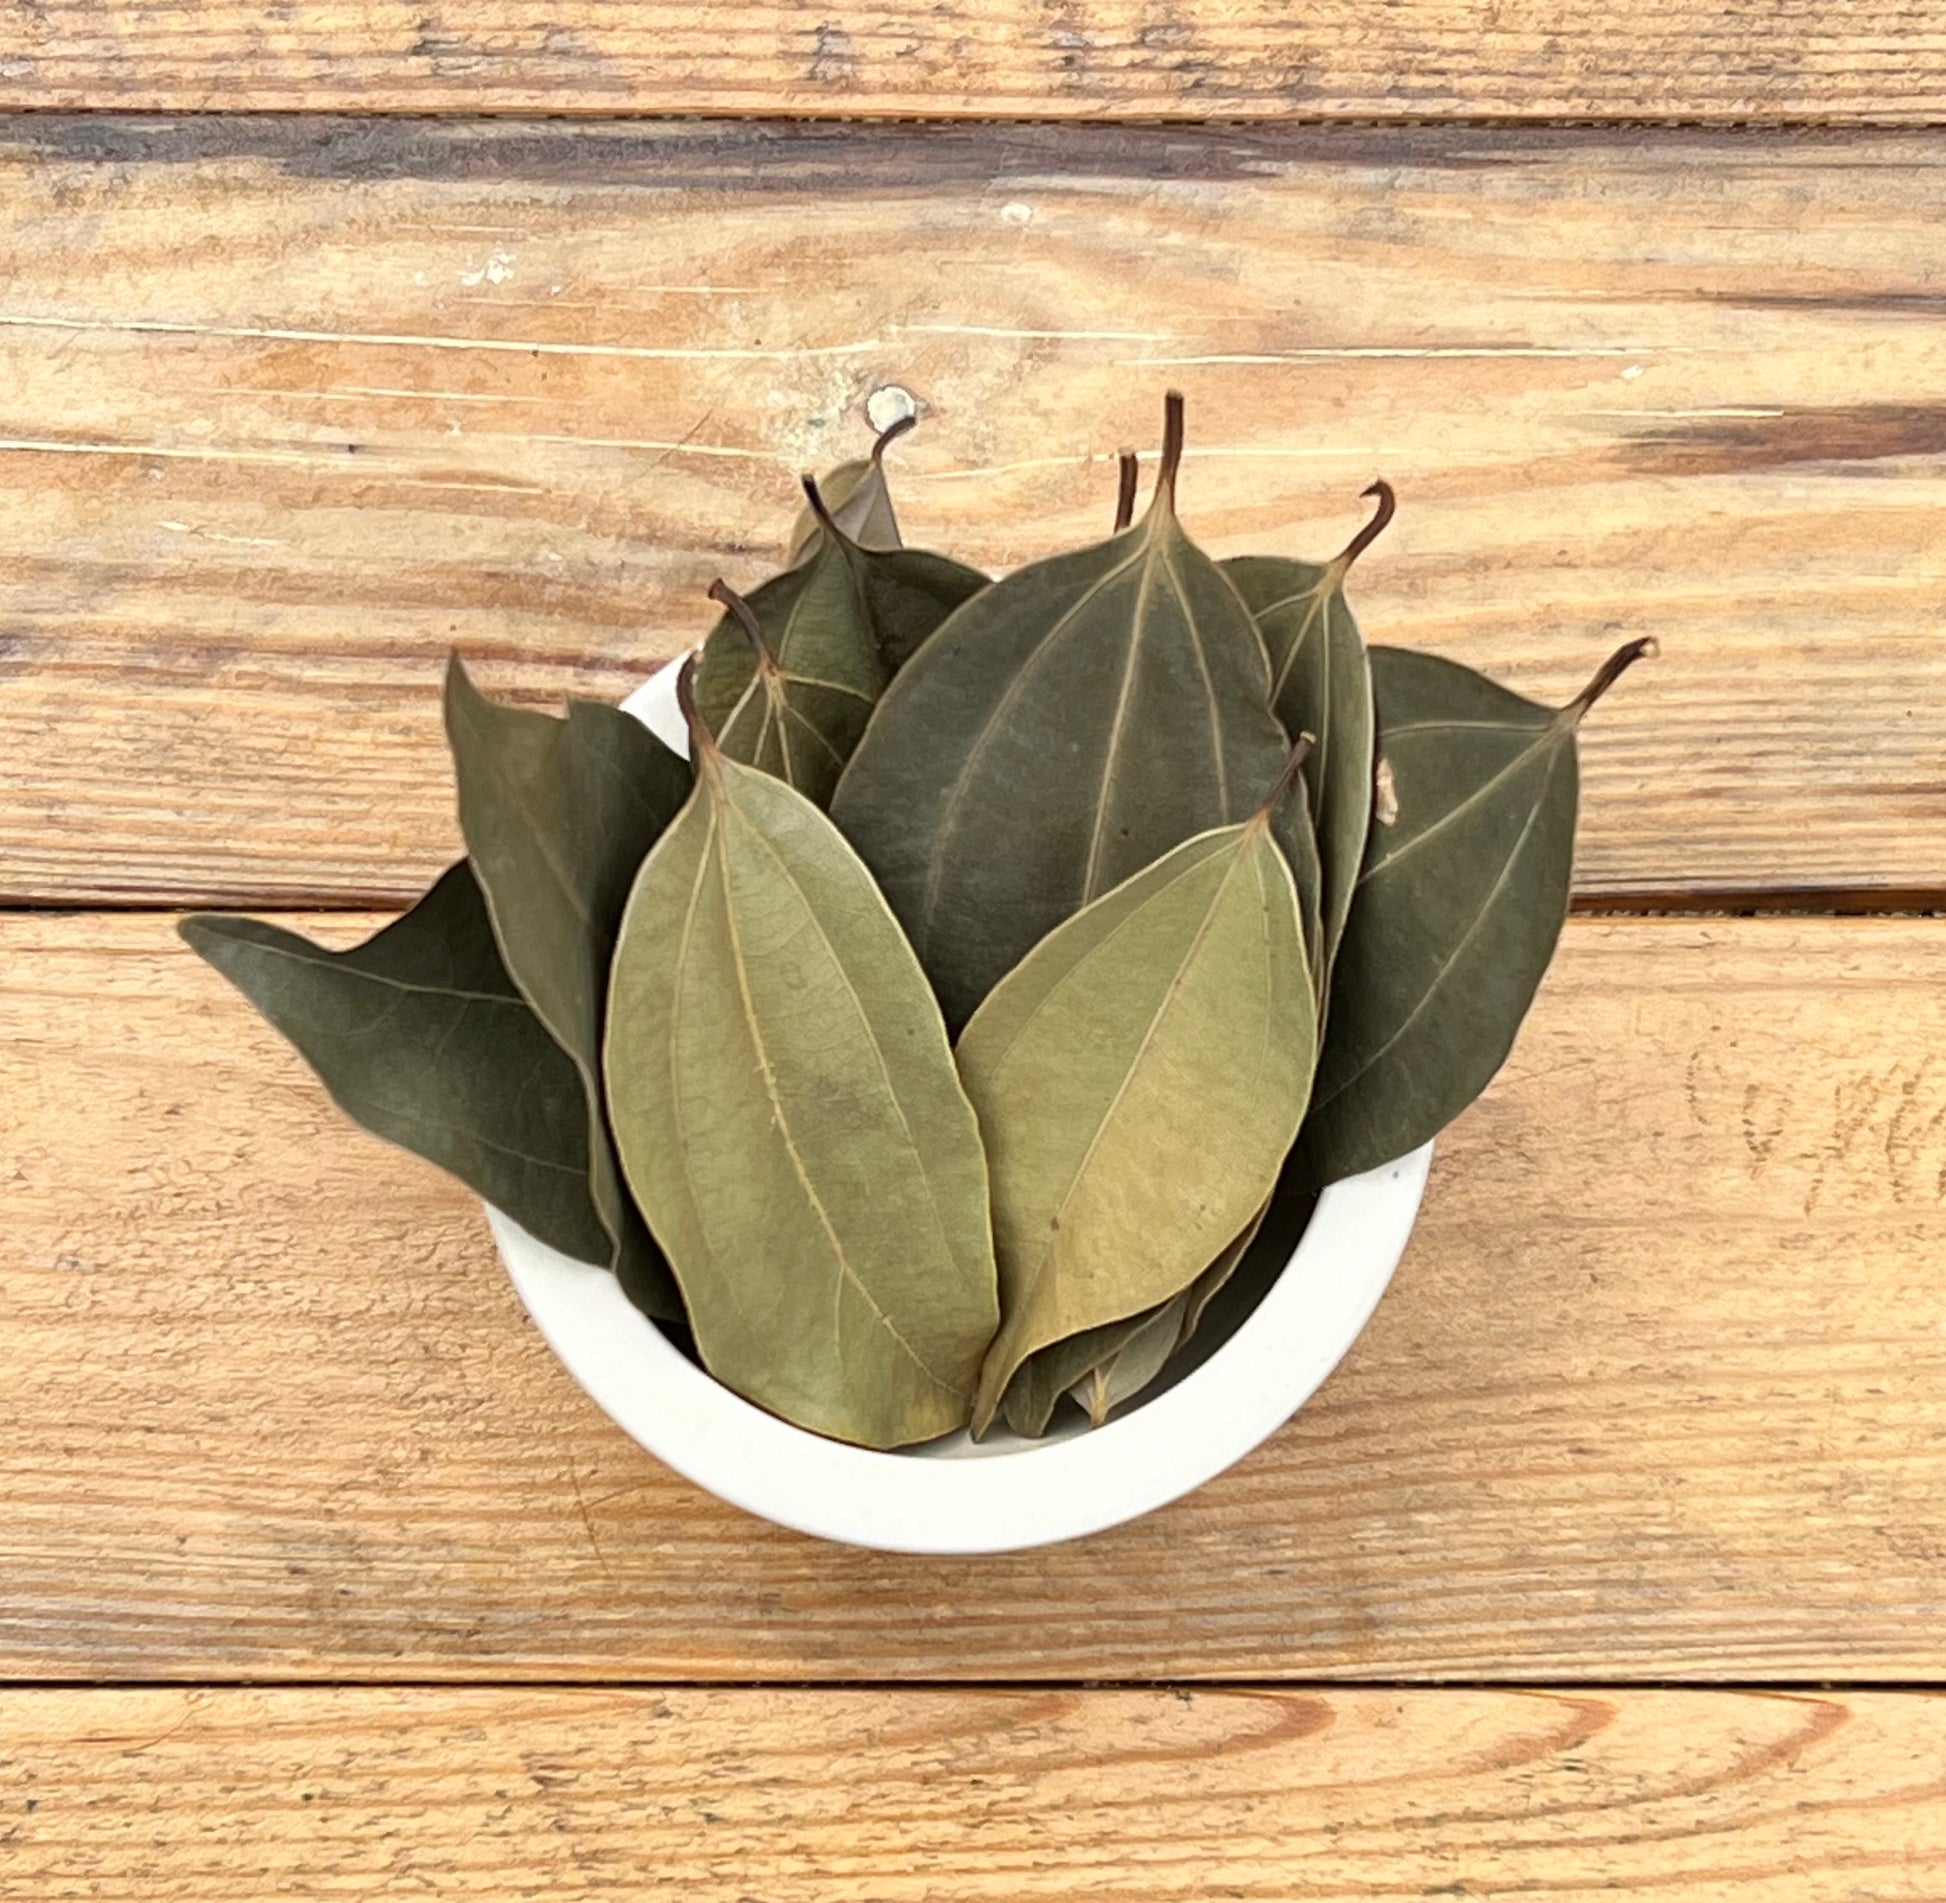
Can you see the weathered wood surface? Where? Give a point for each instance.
(286, 408)
(907, 1796)
(1083, 59)
(1660, 1390)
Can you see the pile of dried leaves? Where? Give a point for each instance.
(1015, 953)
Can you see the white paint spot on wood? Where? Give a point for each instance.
(1633, 371)
(1016, 214)
(890, 403)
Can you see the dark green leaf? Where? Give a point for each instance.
(558, 815)
(1321, 685)
(789, 678)
(1457, 910)
(1063, 730)
(788, 1113)
(422, 1038)
(1179, 1002)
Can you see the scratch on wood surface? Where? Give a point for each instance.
(1331, 352)
(526, 346)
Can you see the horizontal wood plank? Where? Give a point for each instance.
(287, 408)
(1660, 1390)
(906, 1796)
(1083, 59)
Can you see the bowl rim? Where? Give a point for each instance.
(1004, 1494)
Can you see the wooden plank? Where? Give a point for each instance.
(1660, 1390)
(901, 1796)
(286, 408)
(1871, 60)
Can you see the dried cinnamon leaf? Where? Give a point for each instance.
(1123, 1375)
(1104, 1362)
(1457, 910)
(1139, 1078)
(1321, 685)
(422, 1038)
(833, 630)
(859, 499)
(558, 815)
(1065, 728)
(788, 1114)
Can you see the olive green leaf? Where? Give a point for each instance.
(1321, 685)
(1139, 1077)
(1135, 1363)
(1063, 1366)
(557, 815)
(859, 500)
(1117, 1352)
(422, 1038)
(788, 1114)
(1061, 731)
(1214, 1279)
(1457, 909)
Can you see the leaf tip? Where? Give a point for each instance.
(702, 742)
(825, 520)
(745, 616)
(1612, 670)
(1388, 506)
(890, 434)
(1130, 473)
(1301, 750)
(1172, 443)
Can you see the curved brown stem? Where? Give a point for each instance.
(1388, 505)
(1172, 440)
(745, 617)
(702, 743)
(891, 433)
(1612, 670)
(1131, 470)
(823, 515)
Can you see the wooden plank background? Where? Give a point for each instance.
(1864, 60)
(315, 401)
(1660, 1388)
(318, 1576)
(897, 1797)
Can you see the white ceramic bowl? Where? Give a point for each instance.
(953, 1496)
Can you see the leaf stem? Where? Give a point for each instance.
(702, 743)
(1388, 505)
(1300, 752)
(824, 518)
(891, 433)
(1610, 671)
(745, 617)
(1172, 439)
(1131, 468)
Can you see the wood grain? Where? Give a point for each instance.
(1660, 1390)
(906, 1796)
(1081, 59)
(286, 408)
